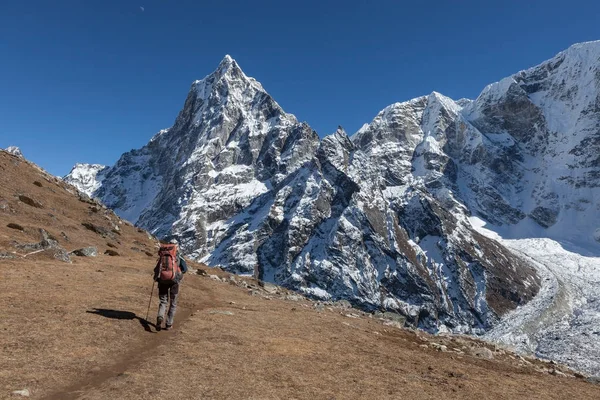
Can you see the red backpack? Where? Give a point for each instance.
(168, 267)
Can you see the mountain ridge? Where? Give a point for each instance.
(380, 217)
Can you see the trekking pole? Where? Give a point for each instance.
(149, 302)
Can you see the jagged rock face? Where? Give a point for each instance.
(542, 166)
(230, 143)
(380, 218)
(337, 228)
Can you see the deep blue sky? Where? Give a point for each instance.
(86, 80)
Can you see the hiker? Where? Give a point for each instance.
(168, 273)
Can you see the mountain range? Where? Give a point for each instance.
(388, 217)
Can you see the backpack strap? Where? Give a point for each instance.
(156, 270)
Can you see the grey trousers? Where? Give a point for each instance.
(166, 291)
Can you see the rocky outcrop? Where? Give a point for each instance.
(86, 252)
(47, 245)
(30, 201)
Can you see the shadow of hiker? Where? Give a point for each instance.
(117, 314)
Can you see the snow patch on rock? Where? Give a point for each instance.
(14, 150)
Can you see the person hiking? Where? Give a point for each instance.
(168, 273)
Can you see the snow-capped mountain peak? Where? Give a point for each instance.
(340, 133)
(226, 61)
(228, 74)
(230, 136)
(86, 177)
(228, 93)
(14, 150)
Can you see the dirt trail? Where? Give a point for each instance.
(148, 342)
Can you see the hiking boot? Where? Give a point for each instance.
(167, 327)
(159, 322)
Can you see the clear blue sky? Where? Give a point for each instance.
(86, 80)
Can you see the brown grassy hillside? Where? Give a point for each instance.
(77, 329)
